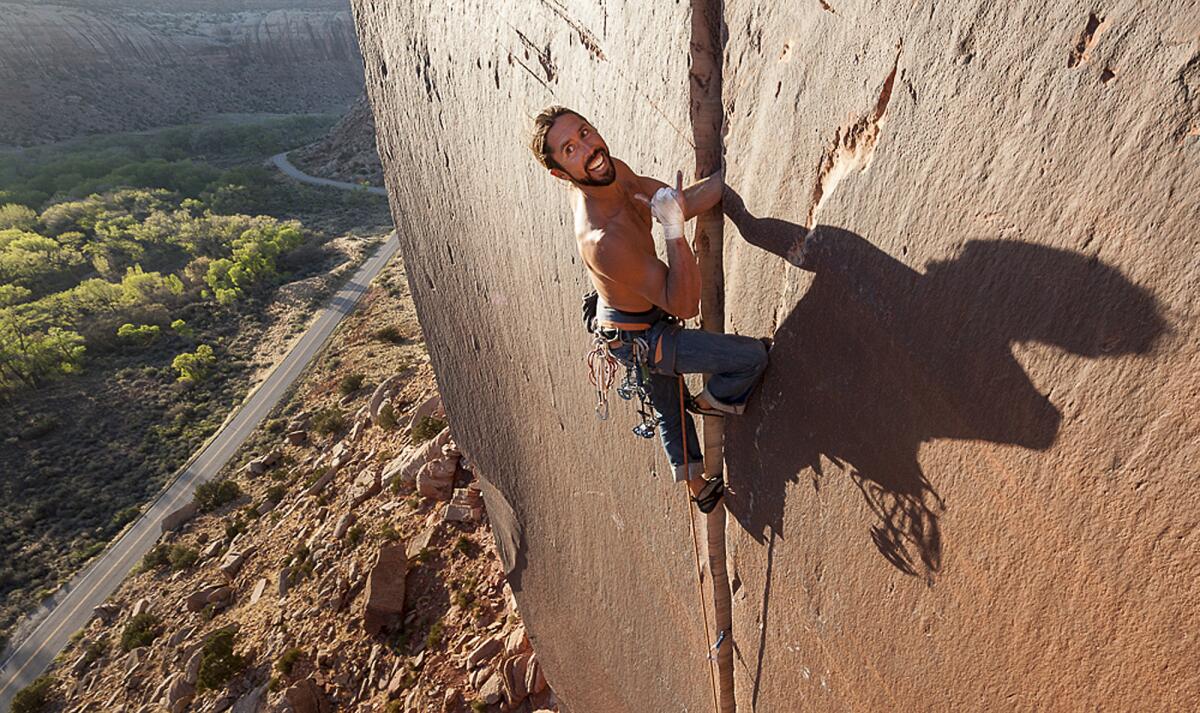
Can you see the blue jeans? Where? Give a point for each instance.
(734, 364)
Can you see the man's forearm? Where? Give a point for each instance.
(704, 194)
(683, 280)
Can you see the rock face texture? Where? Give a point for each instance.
(967, 482)
(69, 69)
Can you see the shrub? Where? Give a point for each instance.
(350, 383)
(181, 328)
(436, 632)
(35, 697)
(390, 334)
(427, 428)
(138, 335)
(288, 660)
(328, 421)
(218, 662)
(387, 417)
(158, 556)
(215, 493)
(141, 630)
(275, 493)
(354, 535)
(93, 651)
(124, 517)
(182, 557)
(464, 546)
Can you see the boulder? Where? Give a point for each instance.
(249, 703)
(191, 670)
(513, 672)
(297, 437)
(535, 682)
(386, 589)
(181, 636)
(460, 513)
(179, 695)
(367, 486)
(517, 642)
(320, 483)
(284, 581)
(435, 480)
(343, 525)
(417, 544)
(177, 518)
(232, 564)
(259, 587)
(142, 606)
(305, 696)
(200, 598)
(492, 689)
(485, 650)
(106, 613)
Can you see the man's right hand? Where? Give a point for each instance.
(667, 208)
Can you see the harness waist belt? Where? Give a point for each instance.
(614, 318)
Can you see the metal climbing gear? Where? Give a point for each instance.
(602, 370)
(716, 648)
(637, 376)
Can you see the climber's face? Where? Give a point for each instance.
(580, 152)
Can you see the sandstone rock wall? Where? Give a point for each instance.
(968, 480)
(66, 70)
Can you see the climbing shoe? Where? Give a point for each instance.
(706, 501)
(689, 403)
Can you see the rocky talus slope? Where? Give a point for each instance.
(967, 481)
(353, 571)
(348, 152)
(68, 70)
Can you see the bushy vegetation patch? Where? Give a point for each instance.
(141, 630)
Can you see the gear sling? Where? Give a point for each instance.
(608, 327)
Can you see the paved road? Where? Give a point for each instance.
(92, 586)
(281, 162)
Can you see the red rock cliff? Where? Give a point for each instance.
(968, 480)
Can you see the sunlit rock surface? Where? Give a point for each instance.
(968, 481)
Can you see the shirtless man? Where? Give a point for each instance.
(640, 296)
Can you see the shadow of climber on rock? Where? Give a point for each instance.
(877, 358)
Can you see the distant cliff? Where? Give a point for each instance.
(968, 480)
(73, 70)
(347, 152)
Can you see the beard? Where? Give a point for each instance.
(598, 179)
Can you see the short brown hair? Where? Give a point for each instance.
(541, 126)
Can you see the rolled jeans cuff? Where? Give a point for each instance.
(694, 469)
(718, 404)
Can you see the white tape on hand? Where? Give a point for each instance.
(667, 208)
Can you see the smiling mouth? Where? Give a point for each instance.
(597, 161)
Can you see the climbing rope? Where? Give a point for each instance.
(696, 552)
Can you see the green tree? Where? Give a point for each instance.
(195, 366)
(29, 356)
(15, 215)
